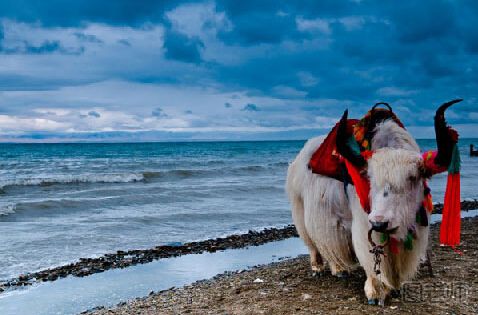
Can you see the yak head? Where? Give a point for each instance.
(396, 171)
(396, 190)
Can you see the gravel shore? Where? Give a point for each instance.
(287, 287)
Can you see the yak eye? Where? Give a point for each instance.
(412, 179)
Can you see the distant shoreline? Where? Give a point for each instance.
(180, 141)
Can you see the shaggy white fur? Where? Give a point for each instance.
(333, 224)
(389, 135)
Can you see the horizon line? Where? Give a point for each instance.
(176, 141)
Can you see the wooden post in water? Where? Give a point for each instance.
(473, 152)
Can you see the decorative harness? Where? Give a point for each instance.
(329, 162)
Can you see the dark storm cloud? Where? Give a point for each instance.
(74, 13)
(270, 21)
(88, 38)
(124, 42)
(259, 27)
(94, 114)
(46, 47)
(159, 113)
(425, 47)
(412, 54)
(181, 47)
(250, 108)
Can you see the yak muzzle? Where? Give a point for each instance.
(379, 226)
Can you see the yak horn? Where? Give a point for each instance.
(446, 137)
(342, 143)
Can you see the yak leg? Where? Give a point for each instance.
(316, 262)
(375, 291)
(339, 251)
(324, 226)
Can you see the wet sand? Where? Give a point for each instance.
(288, 287)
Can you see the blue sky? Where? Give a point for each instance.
(131, 70)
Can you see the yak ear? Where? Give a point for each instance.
(342, 145)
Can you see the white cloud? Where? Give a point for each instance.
(352, 23)
(314, 25)
(307, 79)
(473, 115)
(15, 124)
(394, 91)
(127, 106)
(287, 91)
(324, 25)
(105, 58)
(199, 19)
(52, 111)
(324, 122)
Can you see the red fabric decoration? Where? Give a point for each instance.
(326, 160)
(393, 245)
(429, 162)
(362, 185)
(450, 226)
(451, 217)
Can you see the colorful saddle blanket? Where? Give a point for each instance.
(328, 162)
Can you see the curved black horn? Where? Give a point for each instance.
(342, 145)
(446, 137)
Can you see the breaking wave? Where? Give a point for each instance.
(73, 179)
(6, 209)
(136, 177)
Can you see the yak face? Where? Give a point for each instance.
(396, 190)
(396, 170)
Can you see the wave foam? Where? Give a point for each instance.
(135, 177)
(6, 209)
(74, 179)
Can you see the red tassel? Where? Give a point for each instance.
(393, 245)
(451, 225)
(362, 185)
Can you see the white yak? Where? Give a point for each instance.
(333, 224)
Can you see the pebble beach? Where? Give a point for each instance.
(287, 287)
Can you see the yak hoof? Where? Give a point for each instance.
(372, 302)
(379, 302)
(395, 294)
(318, 274)
(342, 275)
